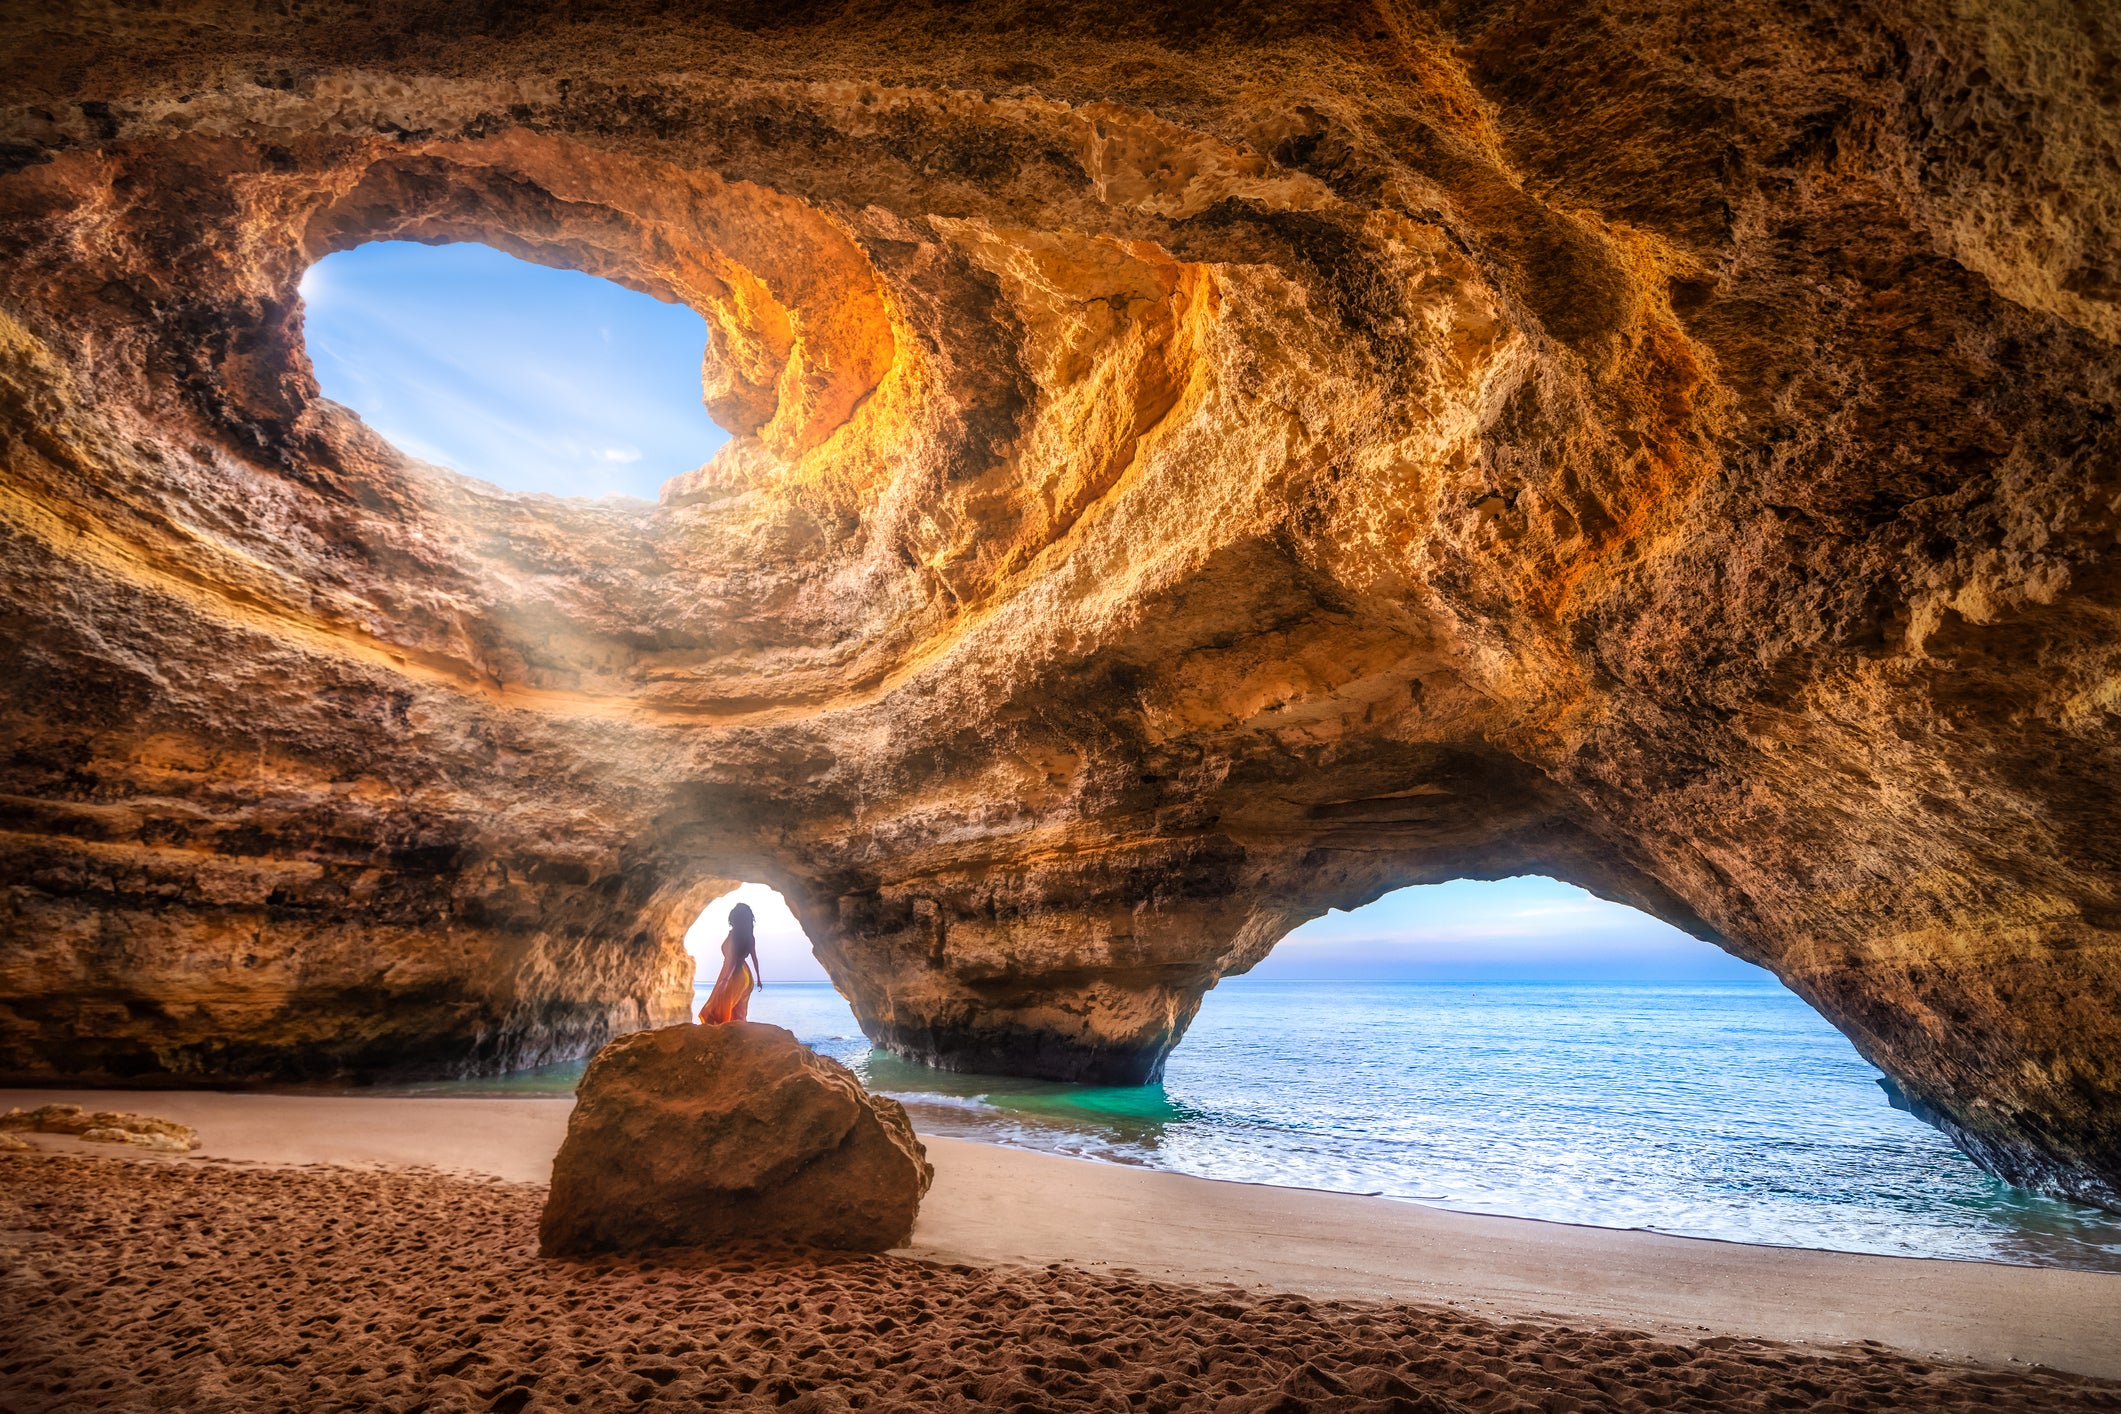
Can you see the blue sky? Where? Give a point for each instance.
(1528, 929)
(551, 380)
(533, 379)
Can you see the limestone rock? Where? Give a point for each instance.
(698, 1136)
(104, 1127)
(1194, 466)
(158, 1143)
(48, 1119)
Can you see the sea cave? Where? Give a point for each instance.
(1187, 469)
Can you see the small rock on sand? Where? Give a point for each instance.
(159, 1143)
(12, 1142)
(698, 1136)
(105, 1127)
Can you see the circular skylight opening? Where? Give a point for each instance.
(530, 378)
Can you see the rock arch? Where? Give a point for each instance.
(1191, 470)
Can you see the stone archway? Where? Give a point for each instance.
(1210, 471)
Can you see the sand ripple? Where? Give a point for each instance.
(138, 1284)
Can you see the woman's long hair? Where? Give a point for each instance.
(740, 922)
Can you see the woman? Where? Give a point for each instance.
(731, 996)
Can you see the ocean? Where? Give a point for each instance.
(1724, 1110)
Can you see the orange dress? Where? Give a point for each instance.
(731, 997)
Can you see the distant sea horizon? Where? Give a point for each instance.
(1723, 1109)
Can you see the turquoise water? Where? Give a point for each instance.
(1724, 1110)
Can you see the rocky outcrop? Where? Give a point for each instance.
(702, 1136)
(1195, 466)
(102, 1127)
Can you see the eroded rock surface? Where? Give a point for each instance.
(102, 1127)
(702, 1136)
(1195, 466)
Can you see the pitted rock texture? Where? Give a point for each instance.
(703, 1136)
(1194, 466)
(103, 1126)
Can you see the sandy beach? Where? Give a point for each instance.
(383, 1252)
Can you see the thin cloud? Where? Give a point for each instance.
(1528, 927)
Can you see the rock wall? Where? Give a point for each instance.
(1194, 466)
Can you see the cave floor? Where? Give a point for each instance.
(999, 1207)
(132, 1284)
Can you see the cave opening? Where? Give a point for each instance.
(784, 951)
(530, 377)
(1519, 1046)
(1523, 1046)
(1527, 928)
(795, 991)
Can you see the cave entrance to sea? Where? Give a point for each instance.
(795, 990)
(784, 951)
(530, 377)
(1524, 1047)
(1527, 928)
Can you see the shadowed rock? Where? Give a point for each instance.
(697, 1136)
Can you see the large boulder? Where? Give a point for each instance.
(695, 1136)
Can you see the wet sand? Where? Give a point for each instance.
(238, 1276)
